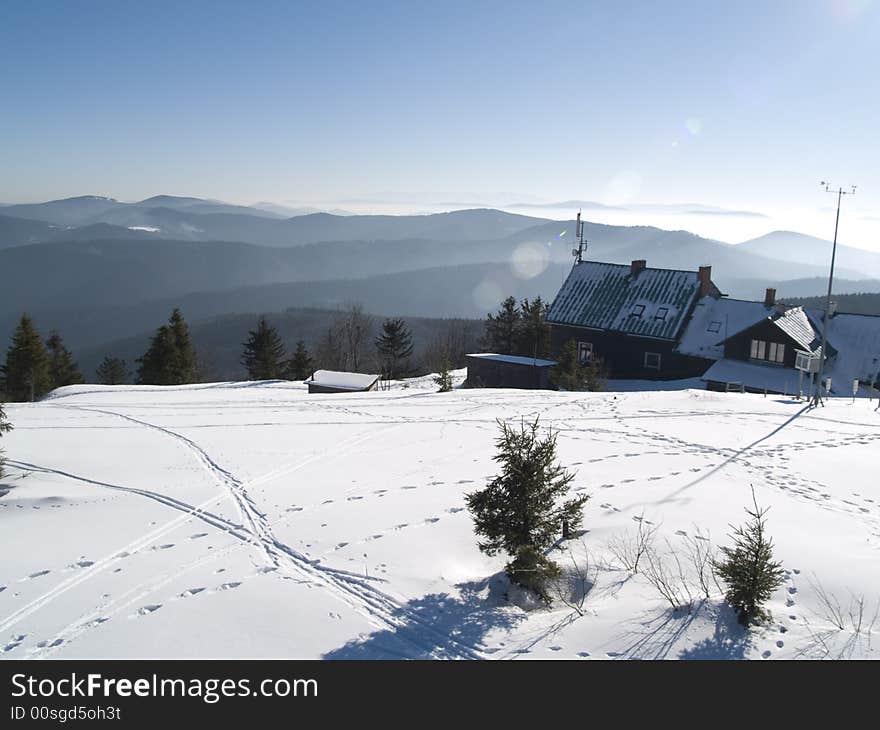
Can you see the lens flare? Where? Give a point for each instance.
(488, 294)
(623, 188)
(529, 260)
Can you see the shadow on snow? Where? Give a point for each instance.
(439, 626)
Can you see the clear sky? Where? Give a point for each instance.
(742, 105)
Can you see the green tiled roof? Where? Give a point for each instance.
(652, 303)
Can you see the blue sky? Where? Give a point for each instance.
(743, 105)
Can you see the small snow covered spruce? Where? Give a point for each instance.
(521, 511)
(748, 569)
(443, 379)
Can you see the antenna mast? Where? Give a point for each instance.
(840, 192)
(578, 252)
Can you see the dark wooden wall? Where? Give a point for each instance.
(624, 355)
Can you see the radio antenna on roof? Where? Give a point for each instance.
(578, 252)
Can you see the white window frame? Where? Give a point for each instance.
(585, 347)
(777, 352)
(652, 354)
(758, 350)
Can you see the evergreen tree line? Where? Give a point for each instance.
(33, 366)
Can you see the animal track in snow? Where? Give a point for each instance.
(229, 586)
(149, 608)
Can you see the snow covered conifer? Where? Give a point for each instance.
(522, 511)
(263, 354)
(748, 569)
(63, 370)
(112, 371)
(27, 364)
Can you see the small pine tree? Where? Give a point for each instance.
(443, 379)
(263, 354)
(395, 347)
(5, 427)
(171, 358)
(26, 372)
(570, 373)
(63, 370)
(112, 371)
(748, 569)
(521, 512)
(503, 328)
(299, 367)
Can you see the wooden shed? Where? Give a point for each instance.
(491, 370)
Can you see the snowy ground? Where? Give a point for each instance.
(254, 520)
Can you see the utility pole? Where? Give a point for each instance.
(817, 395)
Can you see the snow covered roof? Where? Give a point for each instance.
(343, 381)
(855, 339)
(752, 375)
(515, 359)
(651, 303)
(795, 323)
(714, 320)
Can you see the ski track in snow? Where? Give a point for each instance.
(769, 463)
(356, 591)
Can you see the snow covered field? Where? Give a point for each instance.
(254, 520)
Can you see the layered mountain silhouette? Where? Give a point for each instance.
(99, 269)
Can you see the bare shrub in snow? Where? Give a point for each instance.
(700, 555)
(670, 578)
(853, 625)
(576, 579)
(630, 547)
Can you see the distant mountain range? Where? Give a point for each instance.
(99, 269)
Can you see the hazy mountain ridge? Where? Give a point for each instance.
(799, 247)
(101, 281)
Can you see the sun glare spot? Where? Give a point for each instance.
(529, 260)
(694, 125)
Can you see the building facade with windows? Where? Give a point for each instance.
(666, 324)
(631, 317)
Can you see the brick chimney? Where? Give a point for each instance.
(636, 266)
(770, 297)
(705, 278)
